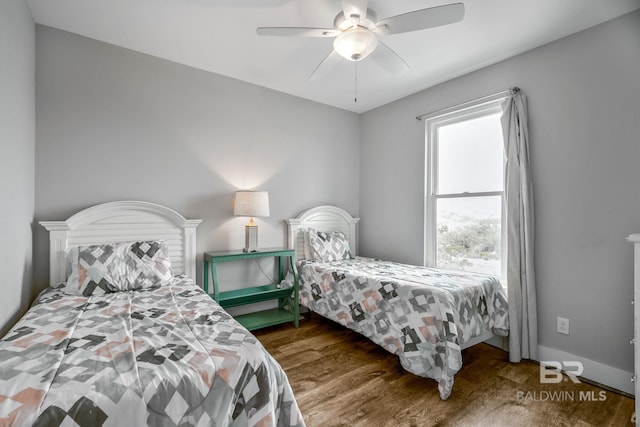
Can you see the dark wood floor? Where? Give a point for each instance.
(342, 379)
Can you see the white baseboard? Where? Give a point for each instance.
(594, 371)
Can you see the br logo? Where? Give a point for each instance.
(551, 371)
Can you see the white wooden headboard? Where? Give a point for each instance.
(321, 218)
(123, 221)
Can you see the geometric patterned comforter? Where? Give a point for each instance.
(165, 356)
(421, 314)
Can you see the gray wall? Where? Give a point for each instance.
(17, 142)
(114, 124)
(584, 118)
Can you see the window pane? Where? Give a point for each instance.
(469, 234)
(470, 156)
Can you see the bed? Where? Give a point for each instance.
(425, 316)
(124, 336)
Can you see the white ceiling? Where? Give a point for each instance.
(219, 36)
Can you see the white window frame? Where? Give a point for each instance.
(465, 112)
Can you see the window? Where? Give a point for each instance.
(465, 220)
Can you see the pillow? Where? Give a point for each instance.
(331, 246)
(114, 267)
(308, 250)
(152, 264)
(302, 246)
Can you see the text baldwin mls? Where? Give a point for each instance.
(561, 396)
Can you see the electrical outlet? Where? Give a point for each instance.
(563, 326)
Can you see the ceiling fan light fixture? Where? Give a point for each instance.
(355, 43)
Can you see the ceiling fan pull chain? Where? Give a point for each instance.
(355, 95)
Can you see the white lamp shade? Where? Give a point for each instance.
(251, 203)
(355, 44)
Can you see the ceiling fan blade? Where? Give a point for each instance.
(325, 66)
(354, 7)
(296, 31)
(422, 19)
(388, 59)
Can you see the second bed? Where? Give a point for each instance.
(423, 315)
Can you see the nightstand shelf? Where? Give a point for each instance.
(262, 319)
(250, 295)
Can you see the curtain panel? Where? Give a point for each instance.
(523, 319)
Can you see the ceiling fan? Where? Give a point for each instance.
(356, 31)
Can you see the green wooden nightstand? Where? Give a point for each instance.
(255, 294)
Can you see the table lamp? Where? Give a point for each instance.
(251, 203)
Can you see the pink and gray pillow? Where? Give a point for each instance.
(114, 267)
(332, 246)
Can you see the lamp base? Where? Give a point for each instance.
(250, 238)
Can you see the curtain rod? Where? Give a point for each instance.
(497, 95)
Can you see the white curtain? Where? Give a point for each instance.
(523, 334)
